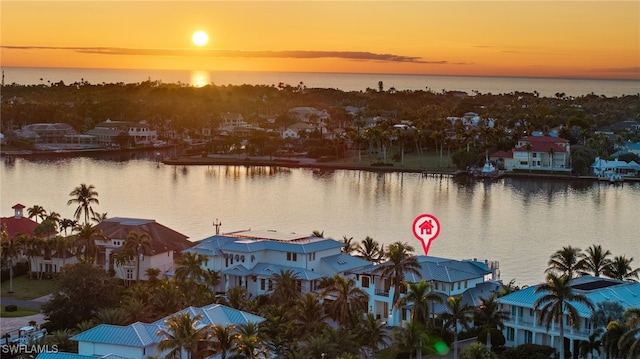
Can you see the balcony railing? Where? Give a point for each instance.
(382, 292)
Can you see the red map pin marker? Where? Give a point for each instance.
(426, 228)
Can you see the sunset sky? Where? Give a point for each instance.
(590, 39)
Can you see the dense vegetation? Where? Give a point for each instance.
(189, 111)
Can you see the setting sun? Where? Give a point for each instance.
(200, 38)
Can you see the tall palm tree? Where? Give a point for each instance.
(285, 290)
(596, 261)
(557, 299)
(587, 347)
(422, 296)
(348, 300)
(99, 217)
(83, 196)
(369, 250)
(412, 338)
(85, 242)
(138, 243)
(400, 263)
(620, 268)
(457, 315)
(66, 223)
(309, 314)
(10, 251)
(37, 212)
(489, 315)
(611, 339)
(168, 298)
(184, 334)
(566, 261)
(223, 339)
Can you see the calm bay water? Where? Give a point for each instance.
(343, 81)
(517, 222)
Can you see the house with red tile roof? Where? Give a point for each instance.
(18, 224)
(164, 244)
(536, 153)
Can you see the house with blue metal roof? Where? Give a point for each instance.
(524, 327)
(251, 258)
(141, 340)
(471, 279)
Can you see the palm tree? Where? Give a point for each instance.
(84, 196)
(566, 261)
(249, 341)
(620, 268)
(412, 338)
(137, 310)
(10, 250)
(99, 217)
(369, 250)
(37, 212)
(611, 339)
(138, 243)
(67, 223)
(184, 334)
(587, 347)
(168, 298)
(286, 287)
(223, 339)
(489, 316)
(595, 261)
(422, 296)
(557, 299)
(348, 245)
(372, 334)
(457, 315)
(317, 233)
(348, 300)
(630, 341)
(400, 263)
(85, 242)
(309, 314)
(189, 267)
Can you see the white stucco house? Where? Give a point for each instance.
(471, 279)
(164, 244)
(523, 325)
(251, 258)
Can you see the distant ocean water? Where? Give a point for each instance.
(546, 87)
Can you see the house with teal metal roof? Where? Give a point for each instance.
(251, 259)
(524, 327)
(471, 279)
(140, 340)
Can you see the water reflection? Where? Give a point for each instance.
(200, 78)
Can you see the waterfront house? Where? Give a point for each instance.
(471, 279)
(540, 153)
(604, 168)
(124, 133)
(523, 325)
(251, 258)
(18, 223)
(141, 340)
(164, 244)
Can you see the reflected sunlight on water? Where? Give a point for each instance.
(517, 222)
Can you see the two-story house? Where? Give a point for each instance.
(471, 279)
(163, 244)
(251, 258)
(537, 153)
(524, 326)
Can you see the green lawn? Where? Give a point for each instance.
(21, 312)
(23, 288)
(429, 161)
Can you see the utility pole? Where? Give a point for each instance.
(217, 224)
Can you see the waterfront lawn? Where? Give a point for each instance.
(24, 288)
(21, 312)
(429, 161)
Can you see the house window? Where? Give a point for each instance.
(511, 333)
(262, 283)
(528, 336)
(520, 312)
(270, 284)
(385, 309)
(365, 282)
(292, 257)
(466, 283)
(531, 312)
(513, 311)
(459, 284)
(435, 285)
(129, 274)
(226, 261)
(451, 287)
